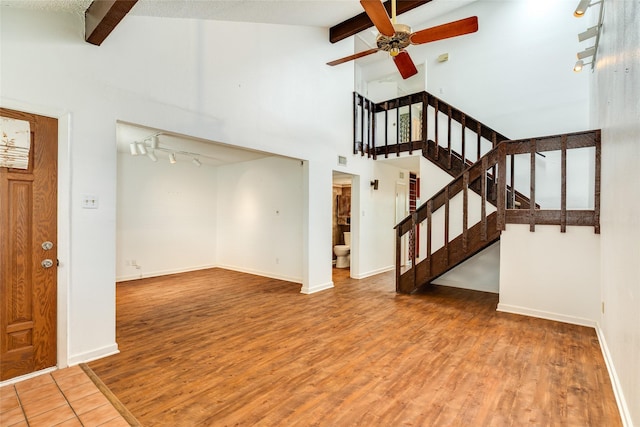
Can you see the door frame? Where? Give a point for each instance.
(64, 118)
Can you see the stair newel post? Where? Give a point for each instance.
(449, 136)
(465, 210)
(386, 129)
(596, 195)
(483, 204)
(429, 228)
(446, 221)
(414, 227)
(532, 186)
(563, 185)
(398, 256)
(502, 186)
(435, 116)
(356, 98)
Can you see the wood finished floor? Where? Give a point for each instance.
(223, 348)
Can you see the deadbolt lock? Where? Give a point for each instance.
(47, 245)
(47, 263)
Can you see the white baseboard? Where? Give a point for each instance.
(162, 272)
(261, 273)
(99, 353)
(615, 381)
(27, 376)
(546, 315)
(316, 288)
(374, 272)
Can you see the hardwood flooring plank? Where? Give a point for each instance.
(217, 347)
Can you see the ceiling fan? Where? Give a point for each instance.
(394, 38)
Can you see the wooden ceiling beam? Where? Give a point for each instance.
(361, 22)
(102, 17)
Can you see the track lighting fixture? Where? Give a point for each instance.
(133, 149)
(588, 34)
(196, 162)
(154, 142)
(172, 158)
(150, 146)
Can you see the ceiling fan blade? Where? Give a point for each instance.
(405, 65)
(452, 29)
(352, 57)
(378, 14)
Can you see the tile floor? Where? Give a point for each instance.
(66, 397)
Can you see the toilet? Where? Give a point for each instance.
(342, 251)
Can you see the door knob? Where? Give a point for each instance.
(47, 263)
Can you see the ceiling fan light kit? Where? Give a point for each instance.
(394, 38)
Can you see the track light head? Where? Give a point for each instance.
(154, 142)
(172, 158)
(196, 162)
(152, 156)
(590, 33)
(582, 8)
(578, 67)
(590, 51)
(133, 149)
(142, 149)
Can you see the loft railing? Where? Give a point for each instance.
(456, 224)
(416, 121)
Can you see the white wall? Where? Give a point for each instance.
(171, 74)
(550, 274)
(616, 110)
(260, 212)
(166, 217)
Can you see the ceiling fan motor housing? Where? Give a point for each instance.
(398, 41)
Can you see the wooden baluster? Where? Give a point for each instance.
(410, 125)
(435, 115)
(446, 223)
(373, 130)
(464, 126)
(465, 210)
(512, 181)
(449, 136)
(362, 115)
(386, 129)
(501, 186)
(596, 195)
(425, 121)
(397, 129)
(483, 205)
(479, 133)
(532, 194)
(563, 185)
(494, 138)
(429, 228)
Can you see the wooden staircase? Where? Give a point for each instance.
(488, 171)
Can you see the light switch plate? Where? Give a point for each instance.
(89, 201)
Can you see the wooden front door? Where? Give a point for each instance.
(28, 286)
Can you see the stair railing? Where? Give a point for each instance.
(456, 223)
